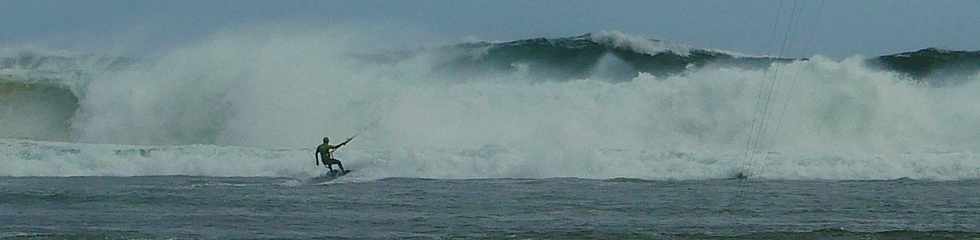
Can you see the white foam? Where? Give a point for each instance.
(639, 44)
(269, 89)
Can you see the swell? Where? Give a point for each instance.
(937, 67)
(45, 89)
(581, 56)
(586, 56)
(487, 110)
(45, 86)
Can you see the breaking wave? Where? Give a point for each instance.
(604, 105)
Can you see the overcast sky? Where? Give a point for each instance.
(832, 27)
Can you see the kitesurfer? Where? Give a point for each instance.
(324, 153)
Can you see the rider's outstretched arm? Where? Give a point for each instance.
(343, 143)
(316, 157)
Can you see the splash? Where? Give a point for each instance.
(225, 105)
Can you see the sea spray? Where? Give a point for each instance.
(244, 95)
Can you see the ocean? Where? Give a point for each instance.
(598, 136)
(190, 207)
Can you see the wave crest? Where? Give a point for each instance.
(428, 115)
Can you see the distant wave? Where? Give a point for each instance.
(602, 105)
(932, 65)
(619, 57)
(564, 58)
(612, 56)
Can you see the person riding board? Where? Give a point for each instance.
(324, 153)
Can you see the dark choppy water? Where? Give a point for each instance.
(559, 208)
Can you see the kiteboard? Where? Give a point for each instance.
(330, 175)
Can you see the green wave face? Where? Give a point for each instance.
(35, 111)
(938, 67)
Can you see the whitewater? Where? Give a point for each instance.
(255, 103)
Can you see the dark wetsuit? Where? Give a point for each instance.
(325, 153)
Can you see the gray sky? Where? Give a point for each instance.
(830, 27)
